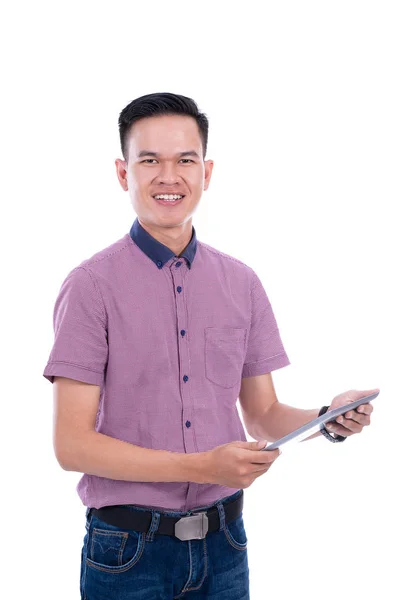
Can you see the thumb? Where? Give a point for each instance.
(250, 445)
(257, 445)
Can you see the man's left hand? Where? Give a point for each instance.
(355, 420)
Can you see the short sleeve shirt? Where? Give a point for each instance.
(167, 339)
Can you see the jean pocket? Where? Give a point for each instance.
(111, 549)
(224, 355)
(236, 534)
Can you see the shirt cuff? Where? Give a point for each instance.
(266, 366)
(73, 372)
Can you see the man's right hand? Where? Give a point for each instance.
(237, 464)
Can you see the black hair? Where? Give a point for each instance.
(163, 103)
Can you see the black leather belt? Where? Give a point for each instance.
(194, 526)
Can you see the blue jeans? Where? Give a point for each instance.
(124, 564)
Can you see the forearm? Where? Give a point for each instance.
(280, 420)
(98, 454)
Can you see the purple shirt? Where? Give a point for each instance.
(168, 340)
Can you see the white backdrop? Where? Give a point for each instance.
(303, 101)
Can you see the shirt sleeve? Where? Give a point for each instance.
(80, 349)
(265, 351)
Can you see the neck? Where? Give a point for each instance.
(175, 238)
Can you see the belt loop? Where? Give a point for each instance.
(221, 512)
(88, 517)
(155, 520)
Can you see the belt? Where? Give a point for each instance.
(194, 526)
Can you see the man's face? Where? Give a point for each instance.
(165, 157)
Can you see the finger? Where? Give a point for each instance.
(341, 430)
(265, 456)
(352, 425)
(266, 463)
(263, 470)
(353, 416)
(365, 408)
(258, 472)
(268, 459)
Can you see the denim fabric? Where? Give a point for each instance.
(124, 564)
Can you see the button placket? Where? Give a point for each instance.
(178, 272)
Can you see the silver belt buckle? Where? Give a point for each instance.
(193, 527)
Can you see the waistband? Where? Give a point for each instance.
(193, 526)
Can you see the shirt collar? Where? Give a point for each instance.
(158, 252)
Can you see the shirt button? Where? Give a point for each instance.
(183, 332)
(185, 378)
(178, 264)
(159, 264)
(179, 288)
(187, 423)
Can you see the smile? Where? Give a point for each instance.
(168, 197)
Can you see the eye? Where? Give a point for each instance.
(146, 160)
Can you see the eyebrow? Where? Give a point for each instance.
(156, 154)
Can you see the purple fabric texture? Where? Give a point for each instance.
(168, 347)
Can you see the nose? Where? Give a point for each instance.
(167, 174)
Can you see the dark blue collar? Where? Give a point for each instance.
(158, 252)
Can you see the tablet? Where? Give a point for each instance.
(313, 426)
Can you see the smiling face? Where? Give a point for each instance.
(165, 156)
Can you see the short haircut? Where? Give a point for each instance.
(163, 103)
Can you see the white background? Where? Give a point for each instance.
(303, 101)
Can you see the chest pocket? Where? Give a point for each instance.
(224, 354)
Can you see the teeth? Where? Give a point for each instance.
(169, 197)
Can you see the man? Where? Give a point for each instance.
(156, 337)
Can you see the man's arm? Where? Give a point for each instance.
(78, 447)
(265, 417)
(268, 419)
(280, 419)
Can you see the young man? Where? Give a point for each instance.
(156, 337)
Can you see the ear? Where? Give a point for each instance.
(208, 167)
(121, 168)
